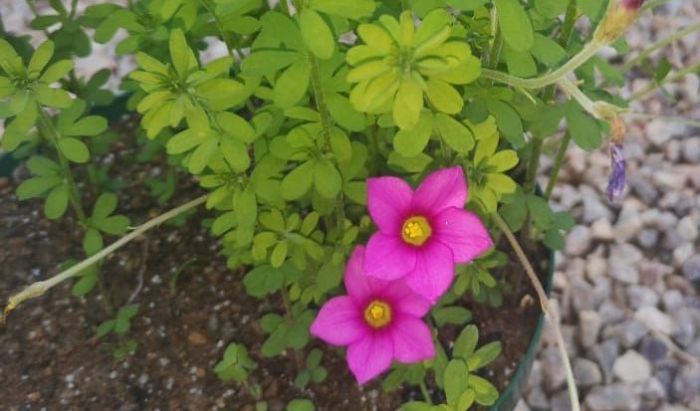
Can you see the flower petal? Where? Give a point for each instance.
(441, 189)
(356, 284)
(388, 202)
(412, 339)
(462, 232)
(370, 356)
(340, 322)
(388, 258)
(434, 271)
(404, 300)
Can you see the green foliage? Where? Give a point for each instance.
(314, 372)
(300, 405)
(235, 364)
(120, 326)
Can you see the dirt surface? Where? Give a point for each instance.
(51, 359)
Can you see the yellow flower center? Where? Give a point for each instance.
(378, 314)
(416, 230)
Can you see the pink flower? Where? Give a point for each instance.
(422, 234)
(378, 321)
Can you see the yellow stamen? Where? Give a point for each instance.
(377, 314)
(416, 230)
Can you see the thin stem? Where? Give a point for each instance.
(567, 29)
(659, 44)
(74, 196)
(668, 79)
(588, 51)
(558, 161)
(40, 287)
(220, 29)
(532, 165)
(544, 303)
(425, 392)
(326, 130)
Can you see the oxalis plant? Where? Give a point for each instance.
(309, 137)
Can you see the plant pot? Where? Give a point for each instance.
(508, 399)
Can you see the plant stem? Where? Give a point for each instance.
(659, 44)
(533, 165)
(40, 287)
(558, 160)
(326, 129)
(220, 29)
(668, 79)
(588, 51)
(544, 303)
(74, 196)
(567, 29)
(425, 392)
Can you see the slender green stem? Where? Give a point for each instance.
(668, 79)
(544, 303)
(425, 392)
(660, 44)
(558, 160)
(220, 29)
(40, 287)
(588, 51)
(567, 29)
(74, 196)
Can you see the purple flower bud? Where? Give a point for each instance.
(632, 5)
(616, 184)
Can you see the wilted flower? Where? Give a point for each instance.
(616, 184)
(422, 234)
(398, 63)
(619, 16)
(379, 321)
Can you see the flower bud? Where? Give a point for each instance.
(619, 16)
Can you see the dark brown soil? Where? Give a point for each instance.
(49, 356)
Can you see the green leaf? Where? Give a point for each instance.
(41, 57)
(180, 54)
(279, 254)
(52, 97)
(584, 130)
(114, 225)
(263, 280)
(408, 104)
(410, 143)
(451, 315)
(316, 34)
(340, 145)
(466, 342)
(484, 355)
(486, 393)
(455, 378)
(327, 179)
(37, 186)
(222, 93)
(74, 149)
(548, 51)
(105, 328)
(300, 405)
(57, 202)
(352, 9)
(92, 241)
(236, 126)
(344, 113)
(265, 62)
(443, 96)
(292, 84)
(508, 121)
(246, 207)
(83, 286)
(298, 181)
(87, 126)
(455, 134)
(466, 5)
(56, 71)
(104, 206)
(515, 24)
(520, 63)
(416, 406)
(551, 8)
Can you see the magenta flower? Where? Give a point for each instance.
(616, 183)
(422, 234)
(379, 321)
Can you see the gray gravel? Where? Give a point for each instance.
(627, 283)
